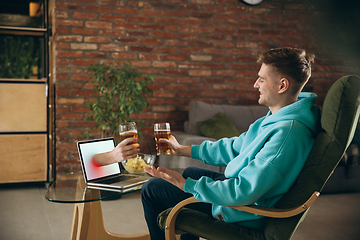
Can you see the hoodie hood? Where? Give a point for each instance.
(303, 111)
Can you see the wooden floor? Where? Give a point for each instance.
(26, 214)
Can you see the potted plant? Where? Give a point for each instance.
(121, 92)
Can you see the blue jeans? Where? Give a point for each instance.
(158, 195)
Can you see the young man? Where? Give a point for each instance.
(261, 164)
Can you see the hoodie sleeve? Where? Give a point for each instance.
(218, 153)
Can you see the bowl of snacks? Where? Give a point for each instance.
(136, 165)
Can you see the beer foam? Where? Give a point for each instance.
(130, 131)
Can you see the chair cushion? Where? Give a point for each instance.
(218, 127)
(339, 118)
(204, 225)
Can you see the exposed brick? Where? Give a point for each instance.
(70, 54)
(174, 28)
(181, 14)
(96, 39)
(69, 101)
(126, 25)
(111, 32)
(111, 47)
(214, 51)
(94, 8)
(68, 38)
(178, 72)
(83, 31)
(165, 49)
(60, 61)
(188, 94)
(212, 94)
(151, 12)
(223, 87)
(84, 15)
(125, 10)
(67, 22)
(199, 72)
(80, 77)
(140, 48)
(61, 30)
(227, 15)
(112, 18)
(124, 55)
(202, 58)
(202, 1)
(223, 73)
(68, 6)
(146, 56)
(152, 27)
(98, 24)
(201, 15)
(61, 14)
(202, 50)
(190, 21)
(150, 41)
(176, 57)
(69, 116)
(83, 62)
(189, 65)
(95, 55)
(83, 46)
(162, 64)
(164, 35)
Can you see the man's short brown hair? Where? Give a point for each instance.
(292, 63)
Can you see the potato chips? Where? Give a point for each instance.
(135, 165)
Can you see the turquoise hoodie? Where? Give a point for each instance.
(261, 164)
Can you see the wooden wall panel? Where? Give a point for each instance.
(23, 158)
(22, 107)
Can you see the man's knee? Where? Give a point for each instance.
(190, 172)
(148, 187)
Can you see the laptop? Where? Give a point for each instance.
(108, 177)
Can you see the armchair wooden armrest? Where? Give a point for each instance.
(263, 211)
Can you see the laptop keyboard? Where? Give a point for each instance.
(116, 179)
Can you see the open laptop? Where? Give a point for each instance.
(108, 177)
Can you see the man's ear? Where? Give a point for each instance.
(284, 85)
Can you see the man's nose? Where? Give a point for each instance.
(256, 84)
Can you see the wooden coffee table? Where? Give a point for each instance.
(88, 222)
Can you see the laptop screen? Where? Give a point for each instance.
(87, 149)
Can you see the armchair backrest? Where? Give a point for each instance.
(339, 118)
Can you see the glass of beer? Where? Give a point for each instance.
(162, 130)
(128, 130)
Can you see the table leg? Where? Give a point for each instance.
(88, 224)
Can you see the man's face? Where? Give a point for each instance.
(268, 84)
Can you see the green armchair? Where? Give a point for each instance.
(339, 118)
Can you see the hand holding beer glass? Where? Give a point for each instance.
(162, 130)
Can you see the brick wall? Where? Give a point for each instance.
(198, 49)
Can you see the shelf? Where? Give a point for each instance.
(23, 31)
(17, 80)
(26, 123)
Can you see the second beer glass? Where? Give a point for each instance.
(162, 130)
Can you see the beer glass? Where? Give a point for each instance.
(128, 130)
(162, 130)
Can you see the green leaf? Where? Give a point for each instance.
(119, 95)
